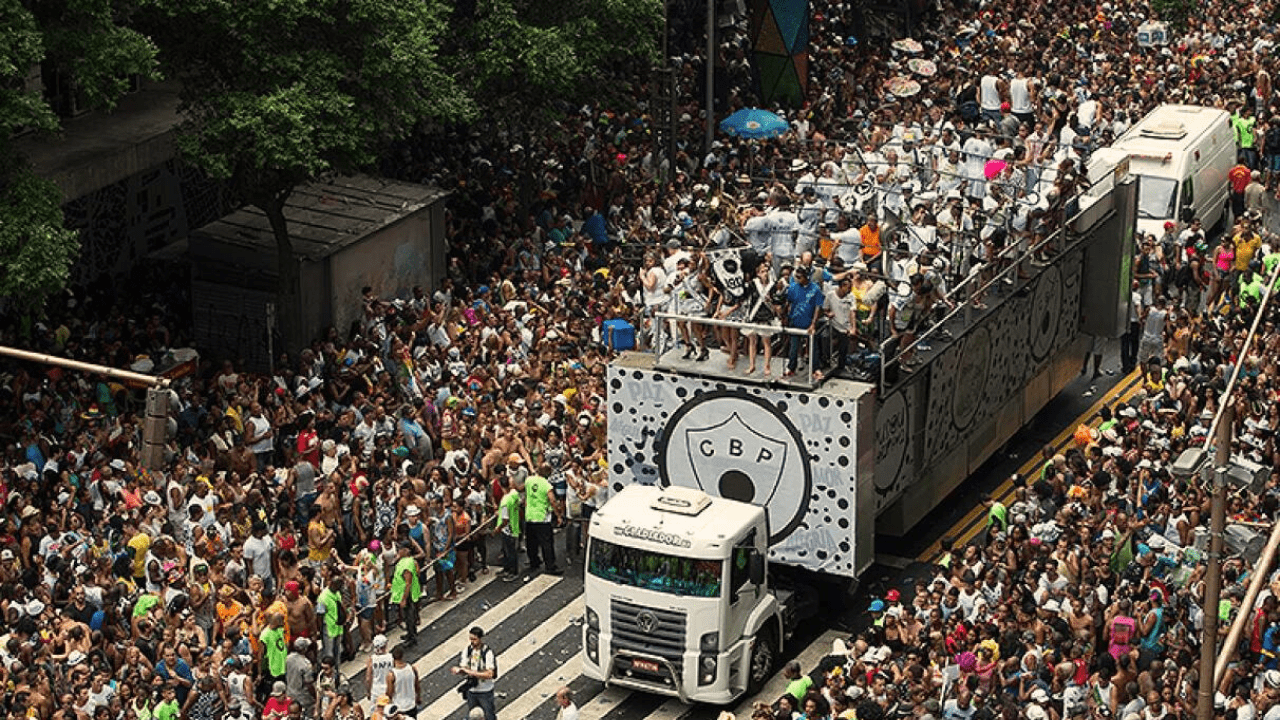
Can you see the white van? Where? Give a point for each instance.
(1182, 154)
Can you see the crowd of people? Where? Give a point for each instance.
(302, 513)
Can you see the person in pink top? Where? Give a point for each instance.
(1120, 631)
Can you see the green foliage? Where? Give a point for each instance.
(514, 55)
(37, 250)
(89, 42)
(21, 47)
(276, 93)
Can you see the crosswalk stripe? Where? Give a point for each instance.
(530, 700)
(432, 612)
(507, 661)
(605, 702)
(446, 649)
(808, 659)
(672, 709)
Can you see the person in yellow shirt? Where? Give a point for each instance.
(140, 543)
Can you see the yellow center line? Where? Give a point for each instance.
(968, 527)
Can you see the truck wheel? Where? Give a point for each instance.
(764, 655)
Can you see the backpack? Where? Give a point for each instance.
(1272, 139)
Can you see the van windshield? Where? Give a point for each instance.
(1157, 197)
(654, 571)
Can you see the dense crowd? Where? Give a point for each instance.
(304, 514)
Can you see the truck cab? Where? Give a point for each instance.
(677, 595)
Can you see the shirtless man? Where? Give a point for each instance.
(508, 442)
(301, 613)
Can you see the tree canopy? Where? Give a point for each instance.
(86, 41)
(278, 93)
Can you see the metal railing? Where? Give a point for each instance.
(971, 293)
(665, 339)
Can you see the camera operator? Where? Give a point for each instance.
(480, 667)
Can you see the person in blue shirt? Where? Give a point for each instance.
(175, 670)
(804, 305)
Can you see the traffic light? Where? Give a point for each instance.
(155, 428)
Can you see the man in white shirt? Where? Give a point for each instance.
(259, 435)
(840, 308)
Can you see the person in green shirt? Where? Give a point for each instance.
(329, 605)
(539, 507)
(509, 526)
(168, 709)
(798, 684)
(274, 650)
(997, 514)
(406, 590)
(1243, 122)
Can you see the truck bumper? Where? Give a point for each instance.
(658, 675)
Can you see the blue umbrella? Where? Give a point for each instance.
(754, 123)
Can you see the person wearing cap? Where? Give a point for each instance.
(479, 667)
(377, 668)
(277, 704)
(406, 591)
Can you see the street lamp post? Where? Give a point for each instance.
(1213, 578)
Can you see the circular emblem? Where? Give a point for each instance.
(972, 371)
(1045, 307)
(734, 445)
(646, 622)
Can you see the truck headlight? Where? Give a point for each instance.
(710, 643)
(707, 666)
(593, 619)
(593, 646)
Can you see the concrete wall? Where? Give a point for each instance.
(392, 261)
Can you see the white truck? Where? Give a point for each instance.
(678, 595)
(1181, 155)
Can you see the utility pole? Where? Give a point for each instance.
(155, 426)
(1213, 579)
(711, 77)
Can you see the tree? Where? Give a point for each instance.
(514, 55)
(277, 94)
(85, 41)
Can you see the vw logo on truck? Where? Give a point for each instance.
(734, 445)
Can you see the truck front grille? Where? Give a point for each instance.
(666, 639)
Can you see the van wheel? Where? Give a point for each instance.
(764, 655)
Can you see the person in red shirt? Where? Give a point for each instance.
(278, 704)
(309, 442)
(1238, 177)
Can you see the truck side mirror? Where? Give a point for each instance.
(756, 569)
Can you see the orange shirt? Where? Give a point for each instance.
(870, 241)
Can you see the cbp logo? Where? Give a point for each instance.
(734, 445)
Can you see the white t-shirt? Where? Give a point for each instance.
(568, 713)
(258, 552)
(260, 426)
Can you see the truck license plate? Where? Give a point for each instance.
(646, 666)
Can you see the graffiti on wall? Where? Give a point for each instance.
(130, 219)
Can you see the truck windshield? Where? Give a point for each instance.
(654, 571)
(1157, 197)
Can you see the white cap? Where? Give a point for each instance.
(412, 511)
(379, 640)
(75, 657)
(1039, 695)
